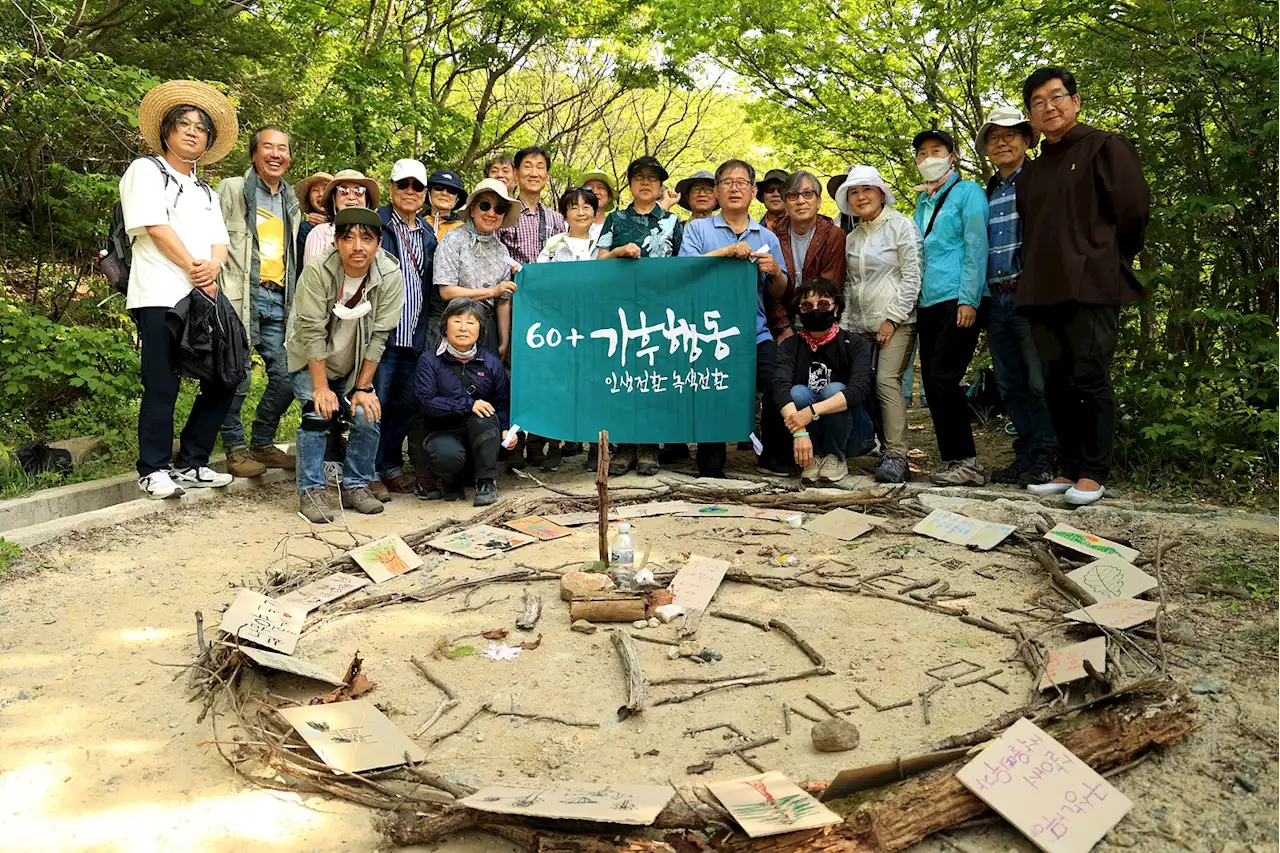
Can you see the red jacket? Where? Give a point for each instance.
(825, 259)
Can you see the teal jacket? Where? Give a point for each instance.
(955, 252)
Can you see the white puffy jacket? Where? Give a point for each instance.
(884, 263)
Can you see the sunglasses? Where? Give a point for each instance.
(355, 191)
(816, 305)
(498, 207)
(410, 183)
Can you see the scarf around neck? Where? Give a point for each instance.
(932, 187)
(460, 355)
(815, 341)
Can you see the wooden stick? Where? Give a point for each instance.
(823, 705)
(690, 623)
(786, 718)
(983, 622)
(1160, 613)
(974, 679)
(924, 699)
(443, 708)
(1050, 563)
(706, 679)
(880, 708)
(737, 617)
(602, 494)
(912, 587)
(426, 673)
(527, 715)
(532, 611)
(745, 682)
(655, 640)
(453, 731)
(810, 652)
(204, 647)
(637, 687)
(742, 747)
(751, 762)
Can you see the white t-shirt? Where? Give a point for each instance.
(154, 280)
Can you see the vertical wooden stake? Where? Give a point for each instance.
(602, 490)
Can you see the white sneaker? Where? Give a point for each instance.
(1082, 498)
(159, 485)
(203, 477)
(812, 470)
(833, 470)
(333, 473)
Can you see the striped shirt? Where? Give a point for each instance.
(1004, 230)
(410, 239)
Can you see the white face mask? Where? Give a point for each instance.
(933, 168)
(342, 312)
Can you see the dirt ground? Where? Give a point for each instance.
(100, 751)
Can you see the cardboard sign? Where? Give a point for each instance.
(481, 541)
(538, 527)
(385, 558)
(1050, 795)
(771, 804)
(1087, 543)
(843, 524)
(1067, 663)
(776, 514)
(1112, 577)
(716, 511)
(962, 530)
(574, 519)
(284, 663)
(647, 510)
(637, 805)
(254, 618)
(695, 585)
(352, 735)
(306, 598)
(1116, 612)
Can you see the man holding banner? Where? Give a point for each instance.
(732, 233)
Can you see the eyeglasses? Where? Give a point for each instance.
(187, 124)
(1005, 136)
(808, 305)
(499, 207)
(735, 183)
(358, 192)
(807, 195)
(697, 189)
(1039, 105)
(410, 183)
(648, 177)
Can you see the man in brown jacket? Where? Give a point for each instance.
(1084, 205)
(811, 244)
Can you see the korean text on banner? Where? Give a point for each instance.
(653, 350)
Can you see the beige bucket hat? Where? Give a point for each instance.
(176, 93)
(498, 188)
(354, 176)
(302, 189)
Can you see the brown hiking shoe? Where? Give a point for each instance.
(361, 499)
(379, 491)
(240, 463)
(273, 457)
(402, 484)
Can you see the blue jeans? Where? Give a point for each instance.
(1020, 378)
(839, 434)
(909, 376)
(393, 383)
(313, 432)
(278, 395)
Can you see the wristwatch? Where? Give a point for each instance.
(363, 391)
(813, 411)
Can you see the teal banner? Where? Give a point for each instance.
(653, 350)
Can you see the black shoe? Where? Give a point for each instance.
(744, 445)
(593, 458)
(427, 488)
(1038, 472)
(1012, 472)
(554, 457)
(534, 451)
(670, 453)
(570, 448)
(486, 492)
(451, 488)
(716, 474)
(778, 467)
(515, 458)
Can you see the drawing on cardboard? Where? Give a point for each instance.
(962, 530)
(1111, 577)
(538, 527)
(481, 541)
(1119, 613)
(695, 585)
(306, 598)
(770, 804)
(843, 524)
(385, 558)
(1046, 792)
(1067, 663)
(637, 805)
(254, 618)
(1087, 543)
(352, 735)
(715, 510)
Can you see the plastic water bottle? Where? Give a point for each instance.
(622, 557)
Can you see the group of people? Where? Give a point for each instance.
(389, 321)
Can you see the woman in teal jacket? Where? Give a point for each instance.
(952, 215)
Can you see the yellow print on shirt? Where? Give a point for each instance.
(270, 246)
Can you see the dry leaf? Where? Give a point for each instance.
(528, 647)
(495, 634)
(357, 685)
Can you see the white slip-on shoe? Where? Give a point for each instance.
(832, 469)
(1049, 488)
(159, 485)
(203, 477)
(1081, 498)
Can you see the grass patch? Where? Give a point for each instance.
(1243, 571)
(1265, 640)
(9, 554)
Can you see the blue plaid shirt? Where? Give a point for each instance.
(1004, 230)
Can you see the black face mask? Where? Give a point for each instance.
(817, 321)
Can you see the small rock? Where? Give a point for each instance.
(673, 654)
(834, 735)
(479, 738)
(688, 649)
(640, 623)
(654, 622)
(1206, 686)
(667, 612)
(582, 626)
(173, 725)
(1247, 782)
(577, 584)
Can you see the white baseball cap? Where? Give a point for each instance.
(409, 169)
(1001, 117)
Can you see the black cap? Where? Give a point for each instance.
(445, 178)
(940, 135)
(358, 216)
(772, 176)
(647, 162)
(834, 182)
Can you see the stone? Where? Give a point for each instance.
(579, 584)
(640, 623)
(834, 736)
(79, 448)
(582, 626)
(654, 622)
(1206, 686)
(1249, 783)
(667, 612)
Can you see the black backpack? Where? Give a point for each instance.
(116, 259)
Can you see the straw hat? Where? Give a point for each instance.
(498, 188)
(177, 93)
(302, 189)
(352, 176)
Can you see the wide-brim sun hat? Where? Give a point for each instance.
(178, 93)
(448, 180)
(372, 196)
(778, 176)
(683, 187)
(834, 182)
(498, 188)
(598, 175)
(302, 189)
(860, 176)
(1003, 117)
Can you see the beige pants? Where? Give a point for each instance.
(893, 406)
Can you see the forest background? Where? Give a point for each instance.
(784, 83)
